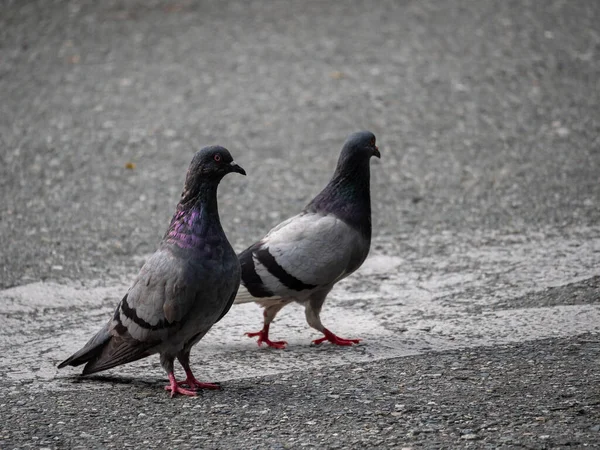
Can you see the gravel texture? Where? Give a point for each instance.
(487, 116)
(539, 395)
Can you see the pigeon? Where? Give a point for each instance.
(182, 290)
(302, 258)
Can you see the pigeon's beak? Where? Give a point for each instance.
(376, 152)
(237, 168)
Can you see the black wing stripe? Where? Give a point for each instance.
(131, 314)
(267, 260)
(250, 278)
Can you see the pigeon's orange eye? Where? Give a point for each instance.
(217, 157)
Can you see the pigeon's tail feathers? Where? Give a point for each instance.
(244, 296)
(90, 350)
(117, 351)
(105, 351)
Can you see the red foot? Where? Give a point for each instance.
(263, 336)
(195, 384)
(175, 389)
(191, 382)
(329, 336)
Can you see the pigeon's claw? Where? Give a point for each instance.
(263, 337)
(195, 384)
(175, 388)
(191, 382)
(329, 336)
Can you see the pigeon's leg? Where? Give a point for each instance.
(173, 386)
(271, 310)
(313, 312)
(184, 359)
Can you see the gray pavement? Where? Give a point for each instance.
(536, 395)
(480, 304)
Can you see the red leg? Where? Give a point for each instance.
(195, 384)
(329, 336)
(263, 336)
(175, 389)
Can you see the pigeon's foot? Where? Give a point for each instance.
(175, 389)
(329, 336)
(191, 382)
(263, 336)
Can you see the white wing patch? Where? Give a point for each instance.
(269, 280)
(313, 248)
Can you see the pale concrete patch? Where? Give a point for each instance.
(400, 304)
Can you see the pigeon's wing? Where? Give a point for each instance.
(306, 252)
(154, 309)
(252, 286)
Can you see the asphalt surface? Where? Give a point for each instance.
(479, 306)
(540, 395)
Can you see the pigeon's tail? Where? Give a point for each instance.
(243, 296)
(90, 351)
(105, 351)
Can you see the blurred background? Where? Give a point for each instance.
(486, 113)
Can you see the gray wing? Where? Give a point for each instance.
(159, 299)
(306, 252)
(154, 309)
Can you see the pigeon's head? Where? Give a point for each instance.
(360, 147)
(207, 168)
(211, 163)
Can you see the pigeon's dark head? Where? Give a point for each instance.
(359, 147)
(348, 194)
(207, 168)
(211, 163)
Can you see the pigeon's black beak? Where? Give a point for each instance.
(376, 152)
(237, 168)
